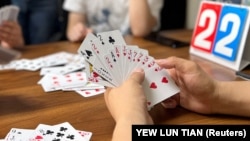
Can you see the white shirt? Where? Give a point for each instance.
(106, 15)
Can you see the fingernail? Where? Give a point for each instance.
(138, 70)
(169, 104)
(158, 60)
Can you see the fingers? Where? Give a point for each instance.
(171, 102)
(138, 75)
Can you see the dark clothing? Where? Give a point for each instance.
(4, 2)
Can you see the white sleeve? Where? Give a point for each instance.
(156, 7)
(75, 6)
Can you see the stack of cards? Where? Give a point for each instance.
(60, 132)
(60, 71)
(110, 61)
(9, 13)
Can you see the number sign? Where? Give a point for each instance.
(220, 33)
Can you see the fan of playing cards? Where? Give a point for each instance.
(9, 13)
(110, 61)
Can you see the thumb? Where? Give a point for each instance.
(138, 75)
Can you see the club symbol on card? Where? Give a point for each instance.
(111, 40)
(71, 137)
(49, 132)
(59, 135)
(153, 85)
(164, 80)
(63, 129)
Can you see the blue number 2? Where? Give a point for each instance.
(229, 32)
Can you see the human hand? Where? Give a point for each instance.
(78, 32)
(11, 35)
(128, 102)
(197, 89)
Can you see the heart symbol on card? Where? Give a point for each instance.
(153, 85)
(164, 80)
(95, 74)
(149, 103)
(38, 137)
(87, 92)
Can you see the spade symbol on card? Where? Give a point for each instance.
(89, 54)
(111, 40)
(153, 85)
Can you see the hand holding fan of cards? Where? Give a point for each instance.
(111, 61)
(8, 13)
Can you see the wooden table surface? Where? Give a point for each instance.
(24, 104)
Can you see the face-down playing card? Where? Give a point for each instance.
(113, 61)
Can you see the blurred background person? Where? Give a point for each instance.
(10, 31)
(41, 20)
(136, 17)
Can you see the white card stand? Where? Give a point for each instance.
(221, 34)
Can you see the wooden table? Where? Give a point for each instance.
(24, 104)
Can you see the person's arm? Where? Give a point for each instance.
(76, 28)
(128, 105)
(233, 98)
(141, 19)
(11, 35)
(202, 94)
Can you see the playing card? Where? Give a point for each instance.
(60, 132)
(53, 82)
(17, 134)
(114, 61)
(90, 92)
(158, 86)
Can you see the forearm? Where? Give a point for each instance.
(233, 98)
(141, 19)
(73, 20)
(123, 128)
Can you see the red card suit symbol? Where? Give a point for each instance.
(38, 137)
(153, 85)
(149, 103)
(164, 80)
(95, 74)
(87, 92)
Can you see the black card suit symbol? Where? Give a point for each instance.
(56, 140)
(70, 137)
(111, 40)
(59, 134)
(63, 129)
(89, 54)
(49, 132)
